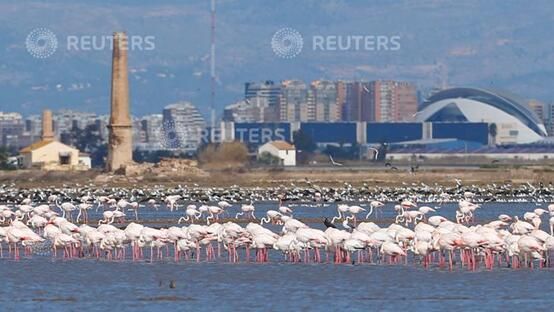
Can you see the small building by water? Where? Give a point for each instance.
(283, 150)
(50, 154)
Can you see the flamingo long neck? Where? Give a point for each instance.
(370, 210)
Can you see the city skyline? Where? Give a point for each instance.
(362, 78)
(181, 126)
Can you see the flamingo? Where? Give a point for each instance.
(171, 201)
(135, 206)
(102, 202)
(109, 217)
(285, 210)
(190, 214)
(341, 210)
(214, 212)
(426, 209)
(521, 227)
(374, 205)
(224, 205)
(83, 209)
(152, 203)
(246, 209)
(354, 210)
(529, 245)
(6, 214)
(272, 216)
(68, 208)
(392, 250)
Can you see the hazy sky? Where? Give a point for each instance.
(492, 44)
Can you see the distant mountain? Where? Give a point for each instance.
(471, 42)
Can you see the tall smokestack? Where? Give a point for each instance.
(120, 149)
(47, 132)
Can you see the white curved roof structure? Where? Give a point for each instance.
(516, 123)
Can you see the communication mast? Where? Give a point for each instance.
(212, 70)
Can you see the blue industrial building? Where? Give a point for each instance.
(393, 132)
(472, 132)
(325, 132)
(340, 133)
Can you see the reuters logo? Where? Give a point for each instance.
(41, 43)
(287, 43)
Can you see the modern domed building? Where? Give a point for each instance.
(516, 123)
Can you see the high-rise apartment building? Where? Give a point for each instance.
(545, 112)
(65, 120)
(394, 100)
(355, 99)
(377, 101)
(183, 126)
(264, 96)
(151, 124)
(11, 128)
(322, 100)
(293, 103)
(245, 111)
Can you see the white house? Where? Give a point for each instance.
(281, 149)
(51, 155)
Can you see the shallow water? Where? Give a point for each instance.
(39, 282)
(487, 212)
(123, 286)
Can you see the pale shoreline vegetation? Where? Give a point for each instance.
(242, 176)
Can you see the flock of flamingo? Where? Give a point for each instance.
(418, 234)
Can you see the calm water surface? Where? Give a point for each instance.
(43, 284)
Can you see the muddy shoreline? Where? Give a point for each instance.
(275, 177)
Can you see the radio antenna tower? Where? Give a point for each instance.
(212, 70)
